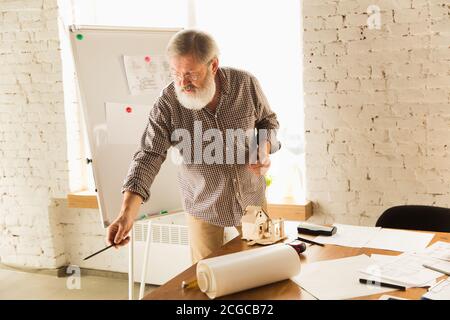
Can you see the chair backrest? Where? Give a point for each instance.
(415, 217)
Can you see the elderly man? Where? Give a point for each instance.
(204, 101)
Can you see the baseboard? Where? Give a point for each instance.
(57, 272)
(61, 272)
(104, 273)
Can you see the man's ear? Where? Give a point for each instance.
(215, 65)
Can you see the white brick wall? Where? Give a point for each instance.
(33, 162)
(376, 107)
(376, 110)
(83, 235)
(39, 141)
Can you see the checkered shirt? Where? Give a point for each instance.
(218, 192)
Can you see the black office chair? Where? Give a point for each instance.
(414, 217)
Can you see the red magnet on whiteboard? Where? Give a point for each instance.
(147, 59)
(129, 109)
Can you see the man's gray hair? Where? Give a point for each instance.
(193, 42)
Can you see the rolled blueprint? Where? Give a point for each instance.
(244, 270)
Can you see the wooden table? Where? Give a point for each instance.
(282, 290)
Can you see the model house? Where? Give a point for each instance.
(259, 228)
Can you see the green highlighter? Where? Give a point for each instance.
(146, 215)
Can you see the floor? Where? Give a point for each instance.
(17, 285)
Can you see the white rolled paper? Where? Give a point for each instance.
(244, 270)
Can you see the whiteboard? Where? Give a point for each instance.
(115, 115)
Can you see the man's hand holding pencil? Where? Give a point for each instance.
(120, 228)
(118, 231)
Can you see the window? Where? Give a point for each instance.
(260, 36)
(133, 13)
(264, 37)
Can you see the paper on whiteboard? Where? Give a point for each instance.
(126, 122)
(146, 73)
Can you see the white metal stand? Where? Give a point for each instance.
(131, 265)
(145, 262)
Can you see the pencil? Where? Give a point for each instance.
(100, 251)
(189, 285)
(310, 241)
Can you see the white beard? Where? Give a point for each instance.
(200, 98)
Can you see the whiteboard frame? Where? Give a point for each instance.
(83, 103)
(75, 27)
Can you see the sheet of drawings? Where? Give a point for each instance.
(407, 269)
(439, 250)
(441, 291)
(146, 73)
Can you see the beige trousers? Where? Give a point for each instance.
(206, 238)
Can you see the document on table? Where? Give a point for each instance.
(439, 266)
(337, 279)
(406, 269)
(399, 240)
(349, 236)
(382, 259)
(377, 238)
(439, 250)
(441, 291)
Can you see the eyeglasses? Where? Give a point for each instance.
(190, 76)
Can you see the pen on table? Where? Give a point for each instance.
(431, 267)
(189, 285)
(310, 241)
(382, 284)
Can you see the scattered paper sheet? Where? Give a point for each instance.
(406, 269)
(337, 279)
(382, 259)
(389, 297)
(290, 228)
(126, 122)
(377, 238)
(440, 266)
(146, 73)
(441, 291)
(349, 236)
(439, 250)
(399, 240)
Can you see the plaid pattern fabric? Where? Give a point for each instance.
(217, 193)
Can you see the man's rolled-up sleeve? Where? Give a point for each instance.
(152, 152)
(266, 123)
